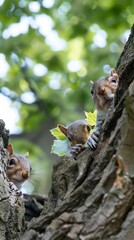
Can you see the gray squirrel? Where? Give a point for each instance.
(78, 133)
(103, 92)
(18, 167)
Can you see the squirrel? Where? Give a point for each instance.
(77, 133)
(18, 167)
(103, 92)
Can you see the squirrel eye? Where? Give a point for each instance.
(88, 128)
(113, 80)
(69, 139)
(92, 92)
(12, 162)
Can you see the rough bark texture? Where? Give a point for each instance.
(11, 206)
(93, 198)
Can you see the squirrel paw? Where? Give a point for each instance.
(76, 150)
(93, 140)
(14, 189)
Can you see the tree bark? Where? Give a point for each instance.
(93, 198)
(11, 201)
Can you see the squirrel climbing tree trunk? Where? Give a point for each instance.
(91, 198)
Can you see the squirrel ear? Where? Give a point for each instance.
(26, 154)
(10, 149)
(91, 84)
(63, 129)
(114, 74)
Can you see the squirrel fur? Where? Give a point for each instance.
(103, 91)
(77, 133)
(18, 167)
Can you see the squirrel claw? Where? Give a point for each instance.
(76, 150)
(93, 140)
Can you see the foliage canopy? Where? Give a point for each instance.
(54, 48)
(50, 49)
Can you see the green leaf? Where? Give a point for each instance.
(56, 132)
(91, 118)
(60, 147)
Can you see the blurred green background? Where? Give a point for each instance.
(49, 51)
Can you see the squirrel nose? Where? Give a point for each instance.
(25, 174)
(101, 90)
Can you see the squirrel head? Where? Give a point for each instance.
(18, 167)
(77, 132)
(103, 91)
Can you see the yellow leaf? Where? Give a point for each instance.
(91, 118)
(56, 132)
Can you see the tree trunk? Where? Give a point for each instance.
(11, 202)
(92, 198)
